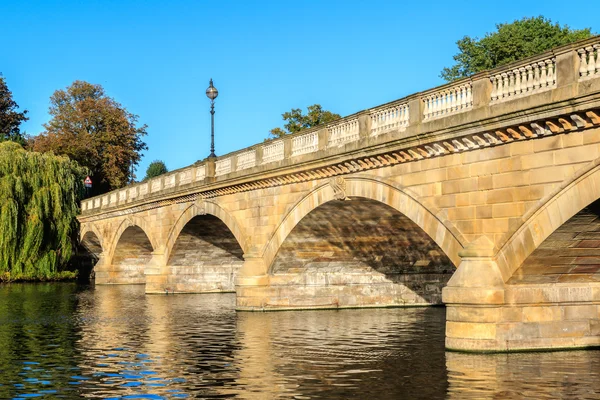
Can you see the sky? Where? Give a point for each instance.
(265, 57)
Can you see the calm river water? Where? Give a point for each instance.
(68, 341)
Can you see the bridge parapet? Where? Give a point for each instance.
(522, 100)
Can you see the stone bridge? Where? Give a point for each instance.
(482, 194)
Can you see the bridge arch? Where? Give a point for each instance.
(431, 221)
(86, 238)
(204, 250)
(205, 208)
(131, 221)
(550, 213)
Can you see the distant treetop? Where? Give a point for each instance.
(511, 42)
(155, 169)
(10, 118)
(296, 121)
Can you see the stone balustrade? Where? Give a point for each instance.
(467, 97)
(524, 80)
(273, 152)
(447, 101)
(246, 160)
(589, 64)
(223, 166)
(389, 118)
(342, 132)
(304, 144)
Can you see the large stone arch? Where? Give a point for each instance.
(550, 213)
(203, 208)
(431, 221)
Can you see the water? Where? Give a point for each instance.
(65, 341)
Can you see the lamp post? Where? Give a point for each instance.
(212, 94)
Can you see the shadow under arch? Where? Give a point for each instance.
(129, 221)
(131, 252)
(91, 228)
(204, 250)
(88, 252)
(549, 214)
(442, 232)
(205, 208)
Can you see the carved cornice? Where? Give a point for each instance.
(571, 122)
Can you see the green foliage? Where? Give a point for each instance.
(39, 194)
(296, 121)
(96, 131)
(10, 119)
(511, 42)
(156, 168)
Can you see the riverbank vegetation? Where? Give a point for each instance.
(39, 196)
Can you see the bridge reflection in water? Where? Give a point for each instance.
(114, 341)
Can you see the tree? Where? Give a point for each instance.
(155, 168)
(96, 131)
(511, 42)
(39, 196)
(10, 119)
(296, 121)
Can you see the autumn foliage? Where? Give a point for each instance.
(94, 130)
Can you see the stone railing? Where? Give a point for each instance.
(344, 131)
(223, 166)
(482, 96)
(450, 100)
(524, 80)
(389, 118)
(273, 152)
(589, 61)
(246, 160)
(306, 143)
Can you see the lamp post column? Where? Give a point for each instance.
(212, 94)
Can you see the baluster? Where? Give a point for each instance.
(523, 74)
(504, 90)
(511, 83)
(583, 62)
(447, 101)
(529, 78)
(591, 69)
(597, 51)
(536, 76)
(500, 91)
(543, 77)
(494, 88)
(435, 104)
(550, 75)
(517, 73)
(452, 104)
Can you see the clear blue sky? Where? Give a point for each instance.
(266, 57)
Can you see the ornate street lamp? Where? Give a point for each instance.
(212, 94)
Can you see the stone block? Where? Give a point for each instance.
(580, 312)
(470, 330)
(537, 314)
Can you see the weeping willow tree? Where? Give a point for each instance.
(39, 194)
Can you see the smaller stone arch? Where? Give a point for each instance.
(203, 208)
(91, 228)
(551, 213)
(204, 250)
(127, 222)
(131, 252)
